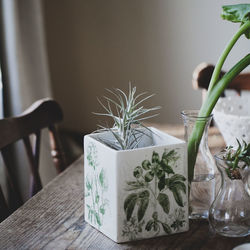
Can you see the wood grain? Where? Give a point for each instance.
(54, 219)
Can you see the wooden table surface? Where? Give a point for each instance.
(54, 219)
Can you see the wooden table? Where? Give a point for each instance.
(54, 219)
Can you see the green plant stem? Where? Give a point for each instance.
(217, 70)
(206, 109)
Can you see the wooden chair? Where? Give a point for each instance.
(44, 113)
(203, 73)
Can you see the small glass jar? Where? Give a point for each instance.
(229, 214)
(203, 185)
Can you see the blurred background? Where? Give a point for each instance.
(72, 50)
(97, 44)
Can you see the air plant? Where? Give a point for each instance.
(237, 159)
(127, 114)
(236, 13)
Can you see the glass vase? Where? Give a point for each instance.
(229, 214)
(202, 188)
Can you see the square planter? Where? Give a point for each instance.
(139, 193)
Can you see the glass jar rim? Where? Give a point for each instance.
(194, 113)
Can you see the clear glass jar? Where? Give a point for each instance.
(229, 214)
(202, 188)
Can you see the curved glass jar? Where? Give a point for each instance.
(229, 214)
(202, 190)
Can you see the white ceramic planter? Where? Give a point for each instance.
(136, 194)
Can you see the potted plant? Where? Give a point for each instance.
(135, 176)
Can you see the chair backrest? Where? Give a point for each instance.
(44, 113)
(203, 73)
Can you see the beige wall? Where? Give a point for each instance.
(97, 44)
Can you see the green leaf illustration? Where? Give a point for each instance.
(143, 205)
(164, 202)
(144, 194)
(177, 177)
(101, 178)
(168, 169)
(97, 198)
(97, 217)
(133, 185)
(89, 215)
(159, 171)
(146, 164)
(149, 225)
(156, 226)
(88, 184)
(167, 182)
(177, 186)
(166, 228)
(155, 157)
(149, 176)
(129, 205)
(138, 172)
(180, 186)
(171, 156)
(161, 183)
(177, 196)
(155, 215)
(102, 210)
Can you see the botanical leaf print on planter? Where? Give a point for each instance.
(96, 185)
(154, 181)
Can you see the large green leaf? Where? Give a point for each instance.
(164, 202)
(146, 164)
(129, 205)
(238, 13)
(166, 228)
(177, 196)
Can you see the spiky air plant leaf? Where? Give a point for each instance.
(237, 159)
(127, 114)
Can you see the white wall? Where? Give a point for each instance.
(95, 44)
